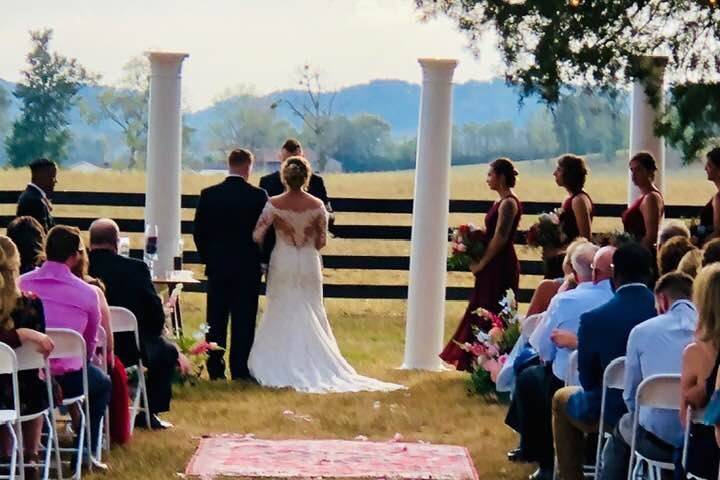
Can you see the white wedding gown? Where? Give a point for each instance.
(294, 344)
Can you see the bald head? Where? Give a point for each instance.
(603, 264)
(104, 234)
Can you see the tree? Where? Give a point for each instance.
(47, 91)
(550, 45)
(315, 111)
(361, 143)
(244, 120)
(126, 107)
(4, 118)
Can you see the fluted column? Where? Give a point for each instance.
(642, 120)
(428, 251)
(164, 148)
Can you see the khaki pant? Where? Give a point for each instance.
(569, 435)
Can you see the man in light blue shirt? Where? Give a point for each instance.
(565, 309)
(654, 347)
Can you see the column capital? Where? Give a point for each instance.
(166, 63)
(437, 69)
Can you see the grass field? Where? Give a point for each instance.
(370, 332)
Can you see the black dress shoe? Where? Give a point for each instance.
(517, 455)
(542, 474)
(156, 423)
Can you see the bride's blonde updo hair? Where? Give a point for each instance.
(295, 173)
(9, 271)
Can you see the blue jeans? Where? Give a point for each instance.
(100, 389)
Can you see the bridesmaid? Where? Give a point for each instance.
(498, 269)
(576, 210)
(710, 214)
(642, 217)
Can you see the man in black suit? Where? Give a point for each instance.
(272, 184)
(128, 284)
(34, 201)
(225, 218)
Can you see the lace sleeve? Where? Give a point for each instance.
(320, 226)
(263, 223)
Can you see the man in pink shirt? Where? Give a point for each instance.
(70, 303)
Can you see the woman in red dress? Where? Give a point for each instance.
(498, 269)
(642, 218)
(576, 211)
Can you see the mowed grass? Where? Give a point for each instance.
(436, 408)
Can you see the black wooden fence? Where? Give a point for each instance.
(346, 231)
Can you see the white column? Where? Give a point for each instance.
(428, 251)
(642, 120)
(162, 200)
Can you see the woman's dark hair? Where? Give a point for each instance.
(29, 236)
(504, 166)
(574, 172)
(646, 160)
(714, 156)
(672, 252)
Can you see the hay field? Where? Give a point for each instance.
(370, 333)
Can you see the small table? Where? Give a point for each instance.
(181, 277)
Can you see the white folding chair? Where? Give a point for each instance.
(656, 391)
(70, 344)
(171, 304)
(29, 358)
(613, 379)
(123, 320)
(100, 359)
(10, 417)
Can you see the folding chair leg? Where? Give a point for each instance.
(49, 446)
(14, 451)
(145, 400)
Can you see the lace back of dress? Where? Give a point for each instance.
(299, 229)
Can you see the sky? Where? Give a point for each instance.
(241, 44)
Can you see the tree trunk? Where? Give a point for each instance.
(131, 162)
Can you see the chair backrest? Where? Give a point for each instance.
(29, 358)
(614, 376)
(8, 359)
(660, 391)
(571, 377)
(123, 320)
(172, 299)
(68, 343)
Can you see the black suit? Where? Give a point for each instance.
(272, 184)
(128, 284)
(225, 218)
(33, 204)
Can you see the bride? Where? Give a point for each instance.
(294, 344)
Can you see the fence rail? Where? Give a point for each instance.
(346, 231)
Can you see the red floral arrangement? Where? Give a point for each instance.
(467, 244)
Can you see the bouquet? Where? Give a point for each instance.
(547, 231)
(494, 339)
(194, 352)
(468, 244)
(615, 238)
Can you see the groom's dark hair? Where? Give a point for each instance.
(240, 156)
(292, 146)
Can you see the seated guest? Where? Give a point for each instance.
(671, 253)
(547, 288)
(602, 337)
(711, 252)
(128, 284)
(29, 237)
(71, 303)
(22, 321)
(119, 413)
(530, 412)
(34, 201)
(691, 262)
(654, 347)
(699, 373)
(671, 229)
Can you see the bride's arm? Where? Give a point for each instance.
(263, 223)
(320, 225)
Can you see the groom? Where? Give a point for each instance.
(224, 222)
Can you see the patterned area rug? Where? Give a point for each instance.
(238, 456)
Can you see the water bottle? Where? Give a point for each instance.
(124, 246)
(151, 247)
